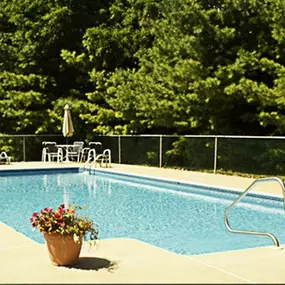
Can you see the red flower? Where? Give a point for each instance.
(58, 216)
(62, 220)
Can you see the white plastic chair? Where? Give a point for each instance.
(76, 150)
(4, 158)
(89, 153)
(51, 151)
(106, 157)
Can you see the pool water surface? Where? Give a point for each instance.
(185, 220)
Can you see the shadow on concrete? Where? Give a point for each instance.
(93, 263)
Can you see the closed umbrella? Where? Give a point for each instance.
(67, 128)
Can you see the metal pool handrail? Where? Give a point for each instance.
(259, 180)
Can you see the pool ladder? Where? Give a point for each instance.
(102, 158)
(259, 180)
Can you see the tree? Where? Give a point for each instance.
(35, 80)
(143, 66)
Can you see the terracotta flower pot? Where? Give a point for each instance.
(63, 249)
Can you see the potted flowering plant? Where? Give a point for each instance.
(63, 230)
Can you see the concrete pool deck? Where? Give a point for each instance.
(123, 260)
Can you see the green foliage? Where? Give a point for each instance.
(34, 77)
(140, 150)
(143, 66)
(13, 147)
(259, 156)
(190, 153)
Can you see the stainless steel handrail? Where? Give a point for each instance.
(259, 180)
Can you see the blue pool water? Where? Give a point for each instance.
(179, 218)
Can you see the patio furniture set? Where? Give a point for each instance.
(76, 152)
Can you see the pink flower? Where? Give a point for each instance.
(62, 220)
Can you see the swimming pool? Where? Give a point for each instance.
(175, 216)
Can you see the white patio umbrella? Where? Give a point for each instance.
(67, 128)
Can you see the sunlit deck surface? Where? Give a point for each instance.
(123, 260)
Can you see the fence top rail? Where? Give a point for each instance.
(41, 135)
(156, 135)
(198, 136)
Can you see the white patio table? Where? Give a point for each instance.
(66, 148)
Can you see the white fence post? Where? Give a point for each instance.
(216, 154)
(119, 148)
(24, 148)
(160, 151)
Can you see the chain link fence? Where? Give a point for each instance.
(245, 154)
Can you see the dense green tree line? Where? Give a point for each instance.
(143, 66)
